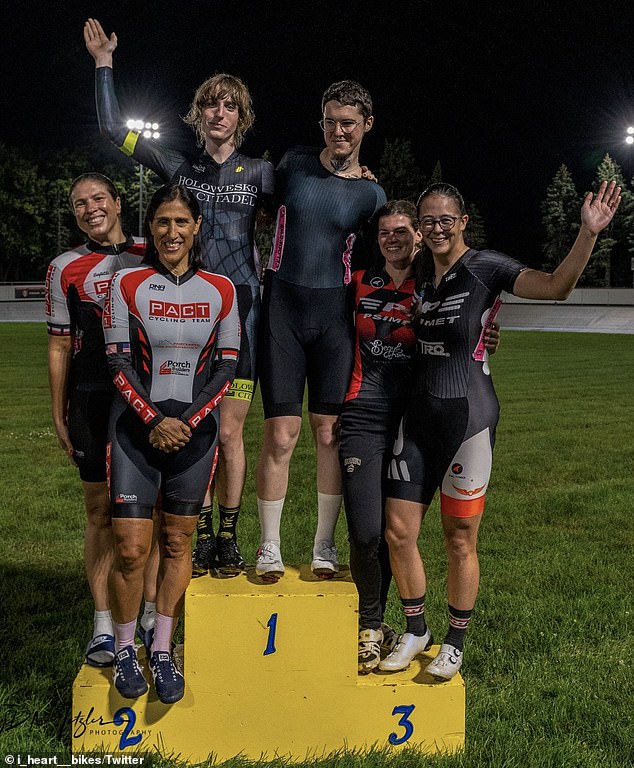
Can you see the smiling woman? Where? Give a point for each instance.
(173, 229)
(163, 429)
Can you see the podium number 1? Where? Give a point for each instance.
(272, 625)
(405, 710)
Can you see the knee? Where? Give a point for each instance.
(98, 511)
(280, 442)
(325, 435)
(364, 543)
(397, 539)
(460, 549)
(229, 437)
(175, 543)
(131, 556)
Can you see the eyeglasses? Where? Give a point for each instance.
(328, 125)
(427, 223)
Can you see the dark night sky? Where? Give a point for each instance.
(500, 93)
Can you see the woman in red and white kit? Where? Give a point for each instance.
(172, 336)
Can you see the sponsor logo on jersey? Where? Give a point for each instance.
(126, 498)
(388, 351)
(175, 367)
(457, 469)
(239, 169)
(377, 282)
(432, 348)
(101, 287)
(198, 168)
(103, 273)
(351, 463)
(169, 310)
(156, 287)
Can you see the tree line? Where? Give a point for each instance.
(37, 223)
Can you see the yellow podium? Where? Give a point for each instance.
(271, 669)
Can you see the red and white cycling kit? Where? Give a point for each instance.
(172, 345)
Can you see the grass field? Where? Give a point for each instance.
(550, 651)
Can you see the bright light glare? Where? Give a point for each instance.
(630, 130)
(629, 139)
(149, 130)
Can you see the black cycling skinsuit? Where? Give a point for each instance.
(172, 345)
(228, 194)
(306, 333)
(77, 284)
(448, 430)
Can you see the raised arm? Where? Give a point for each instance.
(596, 213)
(99, 46)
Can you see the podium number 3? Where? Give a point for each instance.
(270, 644)
(405, 711)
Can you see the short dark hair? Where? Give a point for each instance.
(166, 194)
(443, 189)
(399, 208)
(350, 93)
(93, 176)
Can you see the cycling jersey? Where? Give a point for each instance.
(385, 339)
(172, 346)
(318, 220)
(77, 284)
(228, 193)
(172, 342)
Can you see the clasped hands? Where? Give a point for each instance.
(170, 435)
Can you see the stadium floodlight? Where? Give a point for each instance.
(148, 131)
(629, 137)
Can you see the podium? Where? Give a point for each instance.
(271, 670)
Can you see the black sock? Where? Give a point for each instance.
(205, 525)
(414, 610)
(458, 624)
(228, 521)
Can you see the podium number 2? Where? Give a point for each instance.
(119, 718)
(272, 625)
(405, 711)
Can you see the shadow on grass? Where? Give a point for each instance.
(47, 620)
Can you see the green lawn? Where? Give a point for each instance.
(549, 654)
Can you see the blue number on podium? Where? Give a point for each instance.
(405, 710)
(272, 625)
(118, 719)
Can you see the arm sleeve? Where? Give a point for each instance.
(226, 343)
(116, 328)
(164, 162)
(55, 303)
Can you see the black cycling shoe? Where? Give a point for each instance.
(204, 555)
(230, 561)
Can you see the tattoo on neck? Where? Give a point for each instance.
(340, 164)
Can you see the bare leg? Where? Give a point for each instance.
(97, 542)
(132, 545)
(404, 519)
(232, 464)
(175, 567)
(280, 438)
(463, 576)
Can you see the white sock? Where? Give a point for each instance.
(102, 623)
(270, 514)
(328, 506)
(149, 612)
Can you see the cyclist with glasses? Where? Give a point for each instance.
(306, 330)
(448, 431)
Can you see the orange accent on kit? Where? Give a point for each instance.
(461, 507)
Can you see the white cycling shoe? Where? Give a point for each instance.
(446, 664)
(407, 647)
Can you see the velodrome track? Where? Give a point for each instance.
(590, 310)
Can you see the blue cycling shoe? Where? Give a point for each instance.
(168, 680)
(100, 651)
